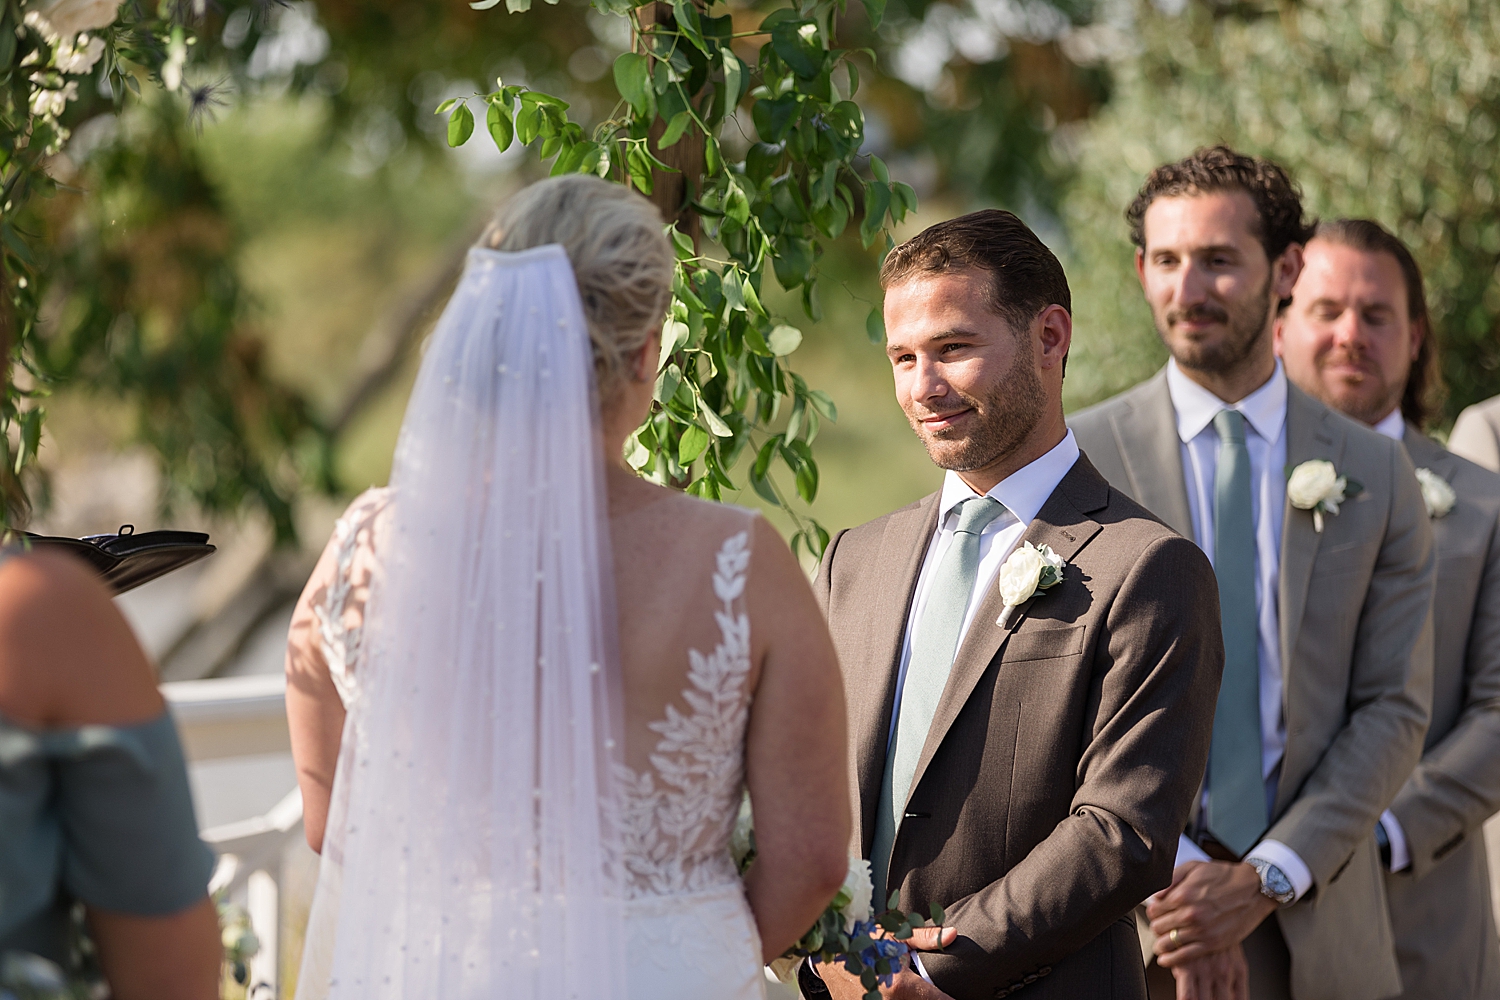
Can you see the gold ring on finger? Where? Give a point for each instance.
(1173, 935)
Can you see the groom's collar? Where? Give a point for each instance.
(1024, 491)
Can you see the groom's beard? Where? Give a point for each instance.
(1006, 418)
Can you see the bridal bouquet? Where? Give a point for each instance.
(847, 932)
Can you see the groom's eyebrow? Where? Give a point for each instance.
(894, 349)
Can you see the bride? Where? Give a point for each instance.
(526, 688)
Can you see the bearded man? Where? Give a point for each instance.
(1325, 590)
(1356, 336)
(1030, 657)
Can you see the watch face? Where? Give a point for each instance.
(1277, 885)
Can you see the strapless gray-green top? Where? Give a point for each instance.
(100, 814)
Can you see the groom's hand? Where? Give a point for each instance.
(905, 985)
(1211, 905)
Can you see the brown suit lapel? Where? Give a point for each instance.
(907, 534)
(1062, 523)
(1310, 434)
(1152, 453)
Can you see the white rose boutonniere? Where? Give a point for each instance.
(1437, 494)
(1025, 571)
(1316, 486)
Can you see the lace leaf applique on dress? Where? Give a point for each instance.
(338, 638)
(678, 815)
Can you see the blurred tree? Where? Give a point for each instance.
(1383, 108)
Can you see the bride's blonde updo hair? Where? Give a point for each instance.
(620, 254)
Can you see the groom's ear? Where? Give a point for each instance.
(1055, 332)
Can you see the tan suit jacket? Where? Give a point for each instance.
(1440, 907)
(1476, 434)
(1356, 658)
(1065, 750)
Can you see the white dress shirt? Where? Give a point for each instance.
(1394, 427)
(1022, 493)
(1264, 411)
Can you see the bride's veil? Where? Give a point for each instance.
(480, 851)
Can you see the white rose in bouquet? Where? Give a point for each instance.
(860, 889)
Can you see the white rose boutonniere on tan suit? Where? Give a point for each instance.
(1317, 486)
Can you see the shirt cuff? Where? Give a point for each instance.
(1283, 857)
(916, 963)
(1189, 851)
(1400, 851)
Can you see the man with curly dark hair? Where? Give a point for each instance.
(1324, 561)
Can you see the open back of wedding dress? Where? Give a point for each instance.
(500, 826)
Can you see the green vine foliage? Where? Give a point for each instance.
(131, 261)
(727, 401)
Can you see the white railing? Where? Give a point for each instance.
(224, 718)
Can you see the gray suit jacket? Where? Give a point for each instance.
(1356, 658)
(1440, 907)
(1065, 750)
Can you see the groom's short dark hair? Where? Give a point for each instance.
(1025, 277)
(1278, 203)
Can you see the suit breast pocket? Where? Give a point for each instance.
(1045, 644)
(1351, 557)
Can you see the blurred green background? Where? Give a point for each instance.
(326, 187)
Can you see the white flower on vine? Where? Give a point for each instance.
(78, 55)
(48, 103)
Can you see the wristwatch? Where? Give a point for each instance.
(1274, 885)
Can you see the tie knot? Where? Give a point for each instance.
(1231, 426)
(977, 512)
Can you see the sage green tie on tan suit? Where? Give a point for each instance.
(1236, 788)
(933, 645)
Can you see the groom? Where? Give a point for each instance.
(1023, 754)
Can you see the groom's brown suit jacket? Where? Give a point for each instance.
(1066, 748)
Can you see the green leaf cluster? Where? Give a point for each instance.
(727, 402)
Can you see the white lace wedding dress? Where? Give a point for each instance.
(690, 932)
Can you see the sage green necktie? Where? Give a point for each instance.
(934, 643)
(1236, 788)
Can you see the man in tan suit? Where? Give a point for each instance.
(1356, 337)
(1030, 657)
(1476, 434)
(1328, 650)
